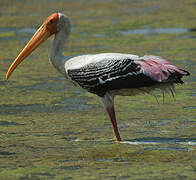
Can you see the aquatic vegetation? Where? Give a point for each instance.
(52, 130)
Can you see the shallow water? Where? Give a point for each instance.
(53, 130)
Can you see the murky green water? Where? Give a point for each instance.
(52, 130)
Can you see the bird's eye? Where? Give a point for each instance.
(51, 21)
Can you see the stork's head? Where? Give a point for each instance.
(52, 25)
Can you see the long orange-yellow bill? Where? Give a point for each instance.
(41, 35)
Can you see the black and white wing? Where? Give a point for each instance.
(106, 72)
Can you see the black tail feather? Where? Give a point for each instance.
(184, 73)
(176, 76)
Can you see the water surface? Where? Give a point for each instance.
(50, 129)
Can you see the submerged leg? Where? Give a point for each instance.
(111, 113)
(108, 101)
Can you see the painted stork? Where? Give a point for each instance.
(105, 74)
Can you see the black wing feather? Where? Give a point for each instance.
(109, 75)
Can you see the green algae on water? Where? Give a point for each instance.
(53, 130)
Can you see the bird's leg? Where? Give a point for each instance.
(108, 102)
(111, 113)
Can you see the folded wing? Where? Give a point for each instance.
(121, 73)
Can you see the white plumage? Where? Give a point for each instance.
(83, 60)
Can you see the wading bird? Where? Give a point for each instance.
(105, 74)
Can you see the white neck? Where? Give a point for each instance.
(56, 52)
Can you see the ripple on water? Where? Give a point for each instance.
(189, 107)
(155, 31)
(18, 30)
(9, 33)
(26, 31)
(160, 140)
(8, 123)
(2, 83)
(6, 109)
(76, 167)
(173, 148)
(70, 138)
(44, 86)
(75, 103)
(145, 109)
(43, 174)
(69, 160)
(113, 160)
(6, 153)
